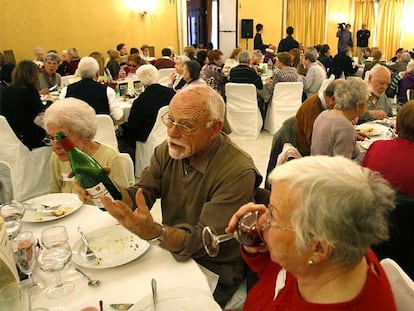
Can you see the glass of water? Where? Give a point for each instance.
(12, 214)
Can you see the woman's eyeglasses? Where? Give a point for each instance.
(49, 139)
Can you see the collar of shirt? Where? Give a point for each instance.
(201, 162)
(322, 98)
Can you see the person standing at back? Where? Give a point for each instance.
(288, 43)
(258, 41)
(362, 39)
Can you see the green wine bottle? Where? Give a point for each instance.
(88, 172)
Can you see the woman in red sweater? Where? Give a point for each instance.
(323, 215)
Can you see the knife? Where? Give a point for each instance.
(121, 306)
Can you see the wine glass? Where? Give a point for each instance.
(247, 233)
(12, 213)
(24, 248)
(54, 256)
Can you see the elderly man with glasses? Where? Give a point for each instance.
(201, 177)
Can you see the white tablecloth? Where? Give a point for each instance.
(126, 106)
(124, 284)
(382, 132)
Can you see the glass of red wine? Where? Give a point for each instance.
(247, 232)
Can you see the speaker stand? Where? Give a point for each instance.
(247, 44)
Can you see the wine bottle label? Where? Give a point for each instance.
(98, 191)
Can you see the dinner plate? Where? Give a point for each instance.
(113, 246)
(178, 299)
(372, 129)
(69, 203)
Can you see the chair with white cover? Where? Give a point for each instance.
(144, 151)
(366, 78)
(410, 94)
(243, 114)
(66, 80)
(286, 100)
(30, 170)
(6, 183)
(129, 168)
(164, 75)
(325, 83)
(401, 285)
(106, 131)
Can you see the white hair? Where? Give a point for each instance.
(147, 74)
(88, 68)
(73, 114)
(339, 201)
(350, 94)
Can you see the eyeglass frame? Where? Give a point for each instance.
(49, 139)
(277, 226)
(184, 129)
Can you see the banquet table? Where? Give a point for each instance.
(381, 130)
(127, 283)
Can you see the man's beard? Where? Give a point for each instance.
(178, 154)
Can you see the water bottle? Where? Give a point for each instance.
(269, 66)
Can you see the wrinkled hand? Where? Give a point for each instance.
(82, 193)
(249, 207)
(378, 114)
(361, 136)
(139, 222)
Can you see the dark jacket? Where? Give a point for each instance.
(258, 43)
(244, 74)
(342, 63)
(286, 44)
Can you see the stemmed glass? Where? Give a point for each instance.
(247, 232)
(54, 256)
(24, 248)
(12, 213)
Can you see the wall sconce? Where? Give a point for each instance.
(142, 7)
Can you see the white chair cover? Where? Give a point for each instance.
(366, 75)
(325, 83)
(287, 98)
(164, 74)
(401, 285)
(243, 112)
(66, 80)
(144, 151)
(106, 131)
(30, 170)
(129, 168)
(6, 183)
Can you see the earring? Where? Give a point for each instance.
(311, 262)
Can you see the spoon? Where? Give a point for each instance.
(92, 283)
(53, 88)
(154, 293)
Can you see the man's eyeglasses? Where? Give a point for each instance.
(49, 139)
(183, 128)
(271, 223)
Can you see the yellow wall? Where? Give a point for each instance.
(89, 25)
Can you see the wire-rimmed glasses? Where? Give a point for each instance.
(186, 129)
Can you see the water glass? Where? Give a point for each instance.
(12, 213)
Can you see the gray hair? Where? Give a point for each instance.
(52, 56)
(202, 94)
(330, 89)
(377, 69)
(257, 53)
(182, 59)
(405, 57)
(147, 74)
(312, 50)
(244, 57)
(354, 92)
(73, 114)
(339, 201)
(88, 68)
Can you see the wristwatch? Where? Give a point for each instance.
(158, 240)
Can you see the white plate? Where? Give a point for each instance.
(375, 129)
(178, 299)
(366, 143)
(69, 203)
(113, 246)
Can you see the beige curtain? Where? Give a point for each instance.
(307, 18)
(364, 13)
(389, 28)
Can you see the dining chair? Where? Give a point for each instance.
(144, 150)
(410, 94)
(66, 80)
(164, 75)
(106, 131)
(401, 285)
(286, 100)
(325, 83)
(30, 170)
(129, 168)
(6, 183)
(243, 114)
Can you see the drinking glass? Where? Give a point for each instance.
(12, 214)
(247, 232)
(53, 257)
(24, 248)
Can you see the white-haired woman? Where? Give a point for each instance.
(78, 120)
(324, 214)
(333, 133)
(144, 110)
(48, 77)
(176, 79)
(98, 96)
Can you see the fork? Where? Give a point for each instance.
(90, 255)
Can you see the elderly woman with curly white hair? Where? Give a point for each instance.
(98, 96)
(78, 120)
(324, 214)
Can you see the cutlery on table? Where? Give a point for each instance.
(90, 255)
(154, 293)
(92, 283)
(121, 306)
(53, 88)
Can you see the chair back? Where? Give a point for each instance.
(6, 183)
(366, 78)
(410, 94)
(325, 83)
(30, 170)
(164, 75)
(401, 285)
(129, 168)
(66, 80)
(106, 131)
(144, 151)
(287, 98)
(243, 114)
